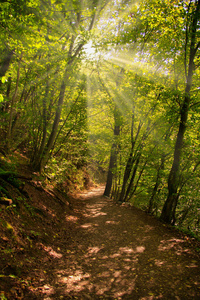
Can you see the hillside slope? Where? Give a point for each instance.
(88, 247)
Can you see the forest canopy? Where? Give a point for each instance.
(107, 91)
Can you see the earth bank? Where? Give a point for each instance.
(87, 247)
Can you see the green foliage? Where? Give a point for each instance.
(2, 296)
(140, 82)
(10, 177)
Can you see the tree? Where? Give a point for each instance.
(114, 152)
(75, 46)
(146, 32)
(50, 53)
(192, 26)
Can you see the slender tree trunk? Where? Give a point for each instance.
(114, 148)
(38, 165)
(132, 178)
(5, 63)
(169, 208)
(44, 153)
(137, 182)
(113, 160)
(156, 186)
(134, 157)
(9, 134)
(44, 130)
(74, 51)
(130, 162)
(168, 211)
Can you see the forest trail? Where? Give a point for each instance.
(122, 253)
(101, 250)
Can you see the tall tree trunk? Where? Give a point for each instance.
(40, 152)
(74, 51)
(130, 185)
(134, 156)
(40, 162)
(114, 148)
(113, 160)
(130, 195)
(130, 161)
(5, 63)
(38, 165)
(9, 133)
(156, 186)
(169, 208)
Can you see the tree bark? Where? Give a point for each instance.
(9, 133)
(128, 191)
(169, 208)
(39, 164)
(130, 162)
(113, 160)
(73, 53)
(5, 63)
(156, 186)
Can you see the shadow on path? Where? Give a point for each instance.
(119, 252)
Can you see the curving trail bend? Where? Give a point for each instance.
(118, 252)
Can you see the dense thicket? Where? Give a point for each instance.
(88, 86)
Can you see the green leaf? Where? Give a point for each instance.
(3, 79)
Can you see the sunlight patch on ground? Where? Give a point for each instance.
(175, 244)
(87, 225)
(169, 244)
(126, 250)
(140, 249)
(101, 268)
(94, 211)
(48, 210)
(111, 276)
(91, 193)
(93, 250)
(159, 263)
(50, 251)
(71, 218)
(47, 290)
(76, 282)
(193, 265)
(112, 222)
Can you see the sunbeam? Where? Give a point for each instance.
(140, 63)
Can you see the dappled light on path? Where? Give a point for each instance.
(50, 251)
(119, 253)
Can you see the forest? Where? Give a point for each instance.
(107, 92)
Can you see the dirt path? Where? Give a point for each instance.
(94, 249)
(118, 252)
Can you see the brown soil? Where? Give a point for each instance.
(92, 248)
